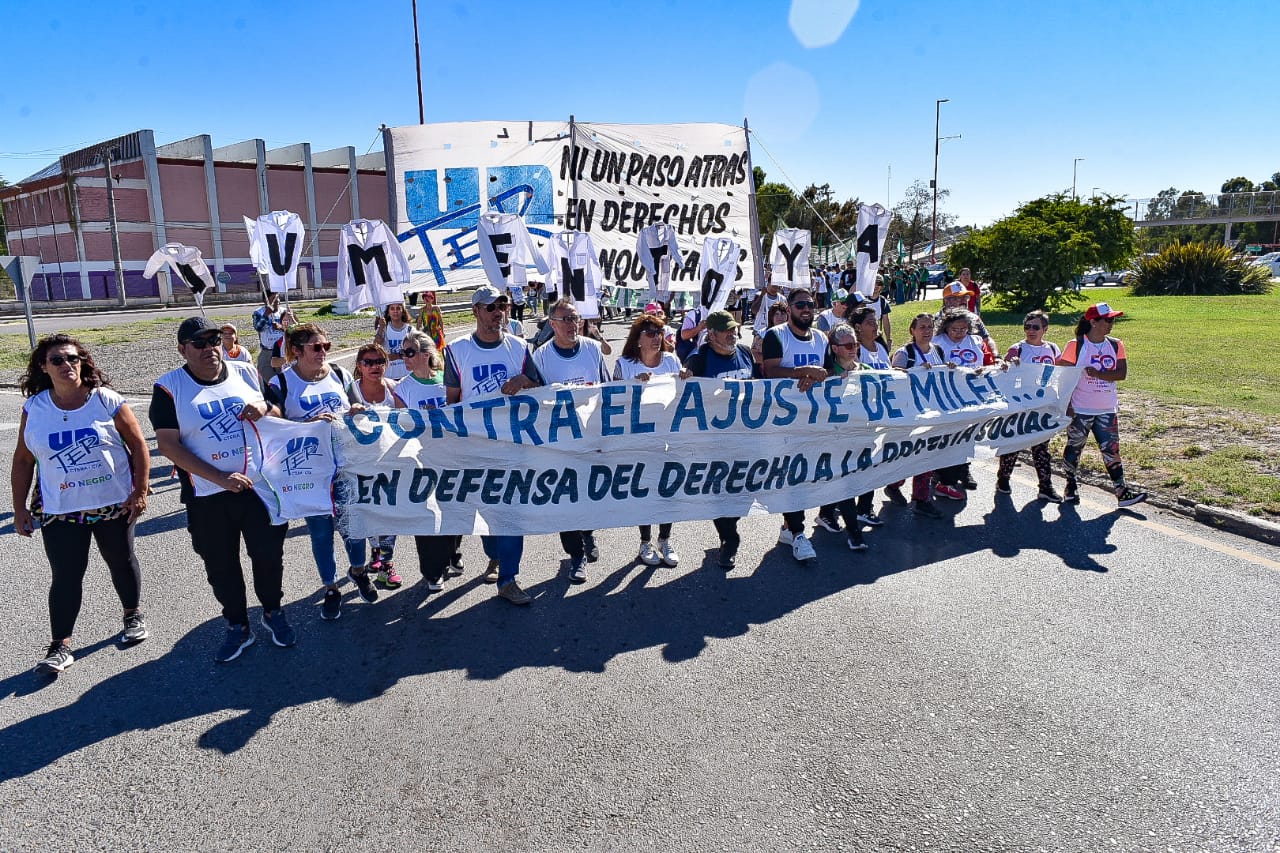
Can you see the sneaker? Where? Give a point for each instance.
(435, 586)
(1002, 486)
(832, 525)
(648, 555)
(57, 659)
(238, 638)
(668, 553)
(951, 492)
(278, 626)
(135, 629)
(363, 584)
(454, 569)
(578, 570)
(969, 483)
(387, 577)
(331, 607)
(491, 573)
(926, 508)
(1128, 497)
(1071, 494)
(1048, 494)
(895, 495)
(512, 592)
(857, 544)
(593, 550)
(802, 550)
(870, 519)
(784, 536)
(728, 555)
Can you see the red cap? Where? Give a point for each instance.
(1100, 311)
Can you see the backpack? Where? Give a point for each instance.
(337, 371)
(1115, 349)
(911, 349)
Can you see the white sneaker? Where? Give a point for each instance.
(802, 550)
(647, 555)
(668, 552)
(784, 536)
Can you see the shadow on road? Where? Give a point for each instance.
(625, 607)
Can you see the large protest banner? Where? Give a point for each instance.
(608, 180)
(557, 458)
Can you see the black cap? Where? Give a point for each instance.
(192, 327)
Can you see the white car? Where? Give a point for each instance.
(1098, 277)
(1271, 261)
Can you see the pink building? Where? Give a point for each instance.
(183, 192)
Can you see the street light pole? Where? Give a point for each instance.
(937, 144)
(1074, 164)
(417, 55)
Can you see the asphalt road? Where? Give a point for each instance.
(1014, 676)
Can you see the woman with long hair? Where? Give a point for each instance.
(80, 443)
(961, 347)
(312, 389)
(372, 390)
(430, 320)
(645, 354)
(1034, 349)
(844, 345)
(389, 333)
(921, 352)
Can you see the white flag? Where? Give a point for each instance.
(873, 228)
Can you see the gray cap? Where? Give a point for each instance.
(486, 294)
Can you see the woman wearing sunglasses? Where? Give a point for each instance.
(856, 511)
(645, 354)
(920, 352)
(312, 389)
(81, 444)
(1094, 403)
(372, 390)
(1033, 350)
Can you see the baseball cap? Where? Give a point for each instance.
(1102, 310)
(231, 326)
(854, 299)
(840, 295)
(955, 288)
(721, 321)
(192, 327)
(652, 308)
(486, 294)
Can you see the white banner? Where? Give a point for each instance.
(695, 177)
(670, 450)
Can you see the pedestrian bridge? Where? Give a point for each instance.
(1222, 209)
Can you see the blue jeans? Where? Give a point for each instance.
(507, 550)
(321, 528)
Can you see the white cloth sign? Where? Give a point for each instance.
(506, 248)
(372, 270)
(292, 466)
(275, 247)
(187, 263)
(716, 271)
(659, 252)
(789, 260)
(610, 181)
(873, 228)
(671, 450)
(574, 271)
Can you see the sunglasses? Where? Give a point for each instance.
(803, 303)
(844, 346)
(651, 332)
(407, 352)
(500, 305)
(316, 346)
(1031, 327)
(59, 360)
(374, 362)
(574, 319)
(1106, 319)
(206, 341)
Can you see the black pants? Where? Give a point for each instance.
(794, 522)
(576, 542)
(860, 505)
(517, 312)
(953, 475)
(434, 555)
(67, 547)
(217, 522)
(664, 532)
(727, 529)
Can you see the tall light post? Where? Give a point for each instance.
(937, 144)
(1074, 164)
(417, 56)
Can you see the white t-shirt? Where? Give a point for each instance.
(242, 355)
(209, 422)
(967, 352)
(877, 359)
(81, 460)
(416, 394)
(396, 368)
(585, 366)
(1045, 353)
(627, 368)
(1095, 396)
(762, 315)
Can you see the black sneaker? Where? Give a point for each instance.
(1128, 497)
(1048, 494)
(828, 523)
(895, 495)
(238, 638)
(926, 508)
(857, 544)
(1002, 486)
(331, 607)
(135, 629)
(578, 570)
(278, 626)
(593, 550)
(728, 555)
(870, 519)
(969, 483)
(364, 585)
(454, 569)
(1071, 494)
(56, 659)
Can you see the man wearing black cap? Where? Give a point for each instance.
(796, 351)
(198, 412)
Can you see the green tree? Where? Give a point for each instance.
(913, 217)
(1029, 258)
(1238, 185)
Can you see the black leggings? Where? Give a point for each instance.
(577, 542)
(67, 546)
(727, 529)
(664, 531)
(216, 523)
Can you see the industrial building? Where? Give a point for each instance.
(183, 192)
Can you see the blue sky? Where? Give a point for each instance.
(1150, 94)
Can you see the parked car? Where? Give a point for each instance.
(1271, 261)
(1098, 277)
(938, 274)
